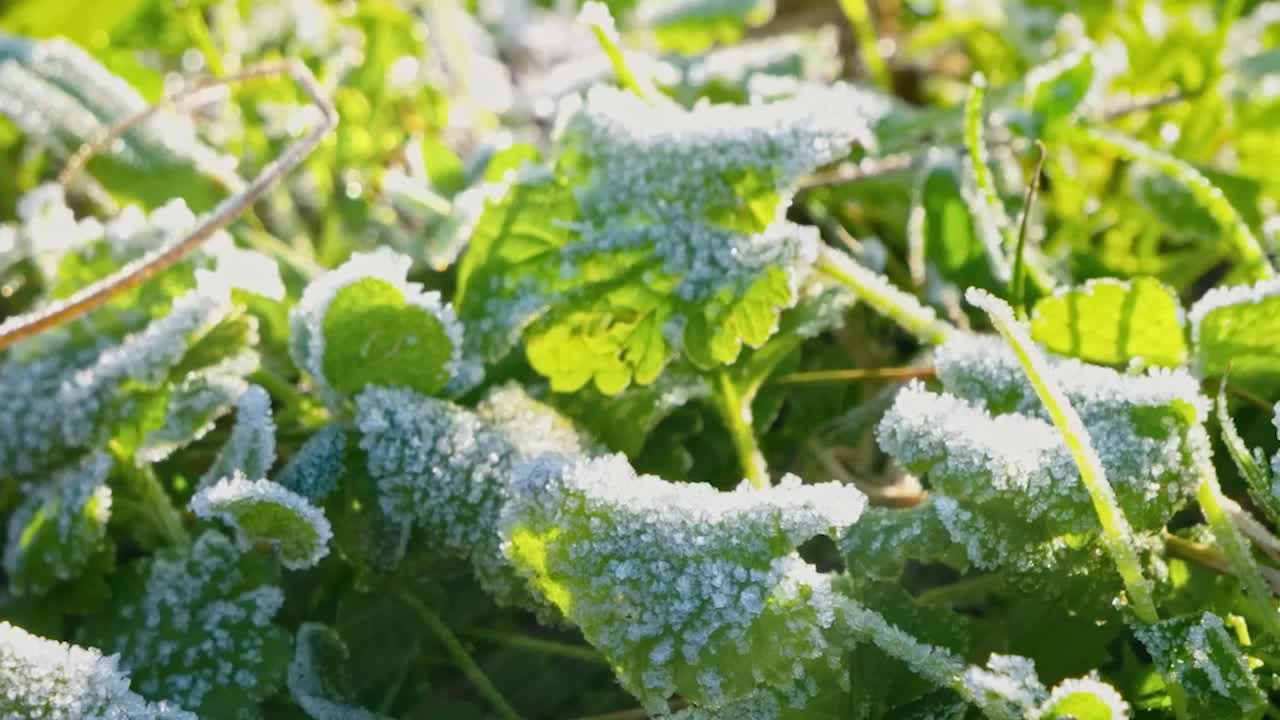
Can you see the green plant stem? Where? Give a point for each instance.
(976, 146)
(152, 497)
(460, 656)
(540, 645)
(1116, 533)
(198, 29)
(854, 375)
(881, 295)
(962, 591)
(734, 407)
(1018, 283)
(1234, 547)
(859, 15)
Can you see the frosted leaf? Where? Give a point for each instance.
(932, 662)
(802, 56)
(194, 407)
(48, 680)
(662, 230)
(315, 679)
(59, 526)
(1086, 697)
(757, 706)
(1200, 655)
(314, 471)
(57, 92)
(1275, 459)
(447, 469)
(59, 401)
(1007, 687)
(1234, 329)
(882, 541)
(47, 228)
(193, 625)
(684, 588)
(251, 448)
(364, 323)
(261, 510)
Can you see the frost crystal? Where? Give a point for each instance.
(307, 320)
(671, 581)
(1007, 686)
(318, 465)
(251, 448)
(194, 407)
(59, 526)
(448, 469)
(196, 627)
(261, 510)
(317, 650)
(1095, 692)
(48, 680)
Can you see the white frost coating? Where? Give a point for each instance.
(233, 500)
(758, 706)
(194, 408)
(596, 15)
(1006, 687)
(251, 447)
(936, 664)
(1221, 297)
(306, 682)
(197, 625)
(76, 504)
(665, 577)
(48, 680)
(447, 469)
(313, 472)
(1117, 708)
(306, 319)
(639, 190)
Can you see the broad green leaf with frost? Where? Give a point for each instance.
(251, 448)
(1113, 322)
(316, 679)
(193, 626)
(59, 526)
(366, 324)
(1007, 686)
(1234, 331)
(1261, 481)
(446, 469)
(52, 680)
(262, 511)
(884, 539)
(1007, 480)
(1085, 698)
(684, 588)
(689, 26)
(623, 256)
(1200, 653)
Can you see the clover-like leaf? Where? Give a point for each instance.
(1234, 329)
(1113, 322)
(1202, 657)
(59, 526)
(263, 511)
(366, 324)
(660, 231)
(193, 626)
(684, 588)
(52, 680)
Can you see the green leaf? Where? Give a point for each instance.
(621, 258)
(689, 26)
(262, 511)
(1113, 322)
(1234, 331)
(194, 406)
(1054, 90)
(366, 324)
(950, 231)
(314, 471)
(1084, 699)
(1205, 660)
(59, 527)
(251, 448)
(1257, 476)
(193, 625)
(317, 678)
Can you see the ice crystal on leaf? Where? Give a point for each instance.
(1233, 330)
(315, 678)
(261, 510)
(195, 405)
(193, 625)
(48, 680)
(59, 526)
(314, 471)
(684, 588)
(660, 231)
(1086, 697)
(447, 469)
(1201, 655)
(365, 324)
(251, 448)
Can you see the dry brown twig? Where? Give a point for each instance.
(139, 271)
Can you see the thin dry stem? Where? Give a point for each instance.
(159, 260)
